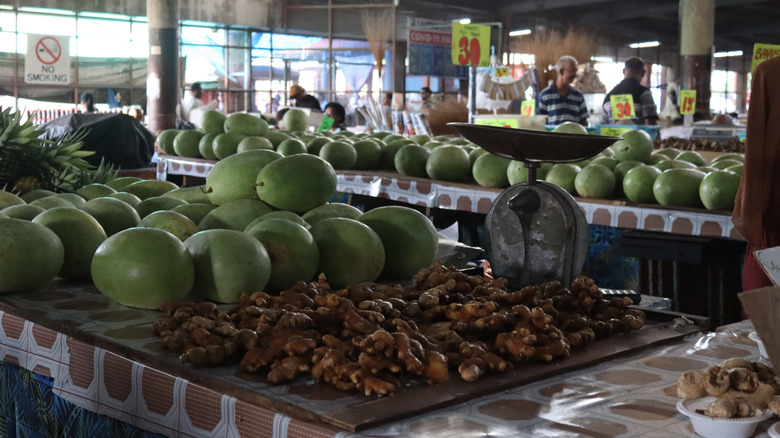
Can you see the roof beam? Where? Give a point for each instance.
(526, 6)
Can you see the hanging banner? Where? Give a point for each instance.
(48, 60)
(428, 53)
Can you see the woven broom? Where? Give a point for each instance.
(377, 25)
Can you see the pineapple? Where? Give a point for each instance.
(28, 161)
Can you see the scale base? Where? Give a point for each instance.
(536, 233)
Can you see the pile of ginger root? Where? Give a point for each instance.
(742, 388)
(378, 338)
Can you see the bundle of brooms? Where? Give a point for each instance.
(548, 46)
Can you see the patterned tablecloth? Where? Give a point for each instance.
(476, 199)
(84, 343)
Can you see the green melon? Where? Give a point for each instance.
(227, 264)
(291, 146)
(186, 143)
(32, 255)
(22, 211)
(250, 143)
(189, 194)
(175, 223)
(157, 203)
(225, 145)
(95, 190)
(235, 176)
(339, 154)
(245, 124)
(143, 267)
(206, 146)
(127, 198)
(295, 120)
(276, 137)
(234, 215)
(408, 237)
(194, 211)
(296, 183)
(369, 154)
(113, 214)
(293, 252)
(212, 122)
(165, 141)
(34, 195)
(281, 214)
(350, 251)
(7, 199)
(123, 181)
(150, 187)
(448, 163)
(491, 171)
(333, 209)
(80, 235)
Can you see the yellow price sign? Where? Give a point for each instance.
(502, 72)
(762, 52)
(528, 108)
(504, 123)
(687, 101)
(622, 106)
(470, 44)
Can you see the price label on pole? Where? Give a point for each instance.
(502, 72)
(622, 106)
(528, 108)
(325, 124)
(687, 101)
(503, 123)
(470, 44)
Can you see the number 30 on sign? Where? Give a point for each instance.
(622, 106)
(470, 44)
(687, 101)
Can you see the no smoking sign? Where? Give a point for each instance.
(47, 60)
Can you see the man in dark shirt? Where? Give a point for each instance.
(303, 99)
(644, 106)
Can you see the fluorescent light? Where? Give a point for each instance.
(464, 20)
(644, 44)
(727, 54)
(520, 32)
(601, 59)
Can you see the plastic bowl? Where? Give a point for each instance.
(711, 427)
(761, 348)
(774, 431)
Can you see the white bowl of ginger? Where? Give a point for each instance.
(717, 427)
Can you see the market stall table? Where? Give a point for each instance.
(105, 357)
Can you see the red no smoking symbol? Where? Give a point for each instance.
(48, 50)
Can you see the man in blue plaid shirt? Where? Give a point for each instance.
(560, 102)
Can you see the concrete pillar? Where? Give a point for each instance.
(697, 36)
(162, 78)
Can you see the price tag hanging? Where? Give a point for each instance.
(687, 101)
(470, 44)
(528, 108)
(622, 106)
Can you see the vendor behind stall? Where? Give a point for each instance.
(644, 105)
(560, 102)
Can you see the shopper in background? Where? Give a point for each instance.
(560, 101)
(756, 212)
(644, 106)
(336, 111)
(303, 99)
(87, 103)
(191, 101)
(426, 95)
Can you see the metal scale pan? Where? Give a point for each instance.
(535, 231)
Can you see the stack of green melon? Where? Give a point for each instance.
(262, 221)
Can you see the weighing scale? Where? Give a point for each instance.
(535, 231)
